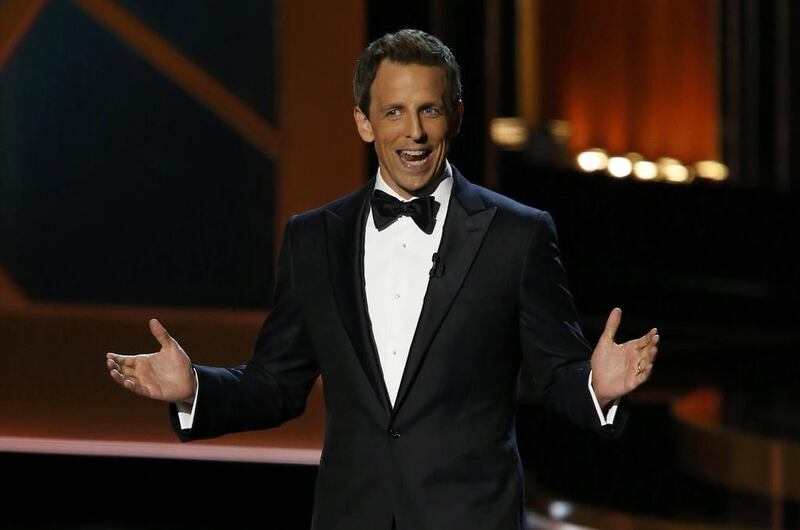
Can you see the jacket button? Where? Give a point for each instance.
(394, 434)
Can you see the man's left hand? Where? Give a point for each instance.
(617, 369)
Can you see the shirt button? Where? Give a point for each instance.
(404, 245)
(394, 434)
(394, 352)
(396, 296)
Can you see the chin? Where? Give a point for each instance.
(416, 186)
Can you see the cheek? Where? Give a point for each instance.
(385, 139)
(439, 134)
(383, 148)
(443, 141)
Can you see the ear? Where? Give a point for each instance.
(363, 125)
(455, 118)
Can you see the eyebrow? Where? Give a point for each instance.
(422, 105)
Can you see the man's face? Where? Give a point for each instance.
(410, 124)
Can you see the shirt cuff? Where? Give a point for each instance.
(186, 412)
(605, 419)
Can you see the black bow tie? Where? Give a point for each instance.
(386, 209)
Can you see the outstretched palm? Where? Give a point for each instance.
(617, 369)
(165, 375)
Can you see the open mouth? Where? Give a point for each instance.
(414, 157)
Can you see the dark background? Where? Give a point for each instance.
(117, 188)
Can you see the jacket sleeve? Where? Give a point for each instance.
(273, 387)
(553, 346)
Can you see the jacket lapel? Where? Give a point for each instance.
(345, 230)
(466, 225)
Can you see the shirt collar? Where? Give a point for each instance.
(441, 193)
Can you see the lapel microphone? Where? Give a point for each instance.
(437, 269)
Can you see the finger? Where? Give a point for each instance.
(122, 377)
(642, 342)
(125, 369)
(652, 348)
(646, 339)
(111, 365)
(641, 365)
(122, 360)
(647, 366)
(612, 324)
(647, 372)
(118, 377)
(160, 333)
(130, 383)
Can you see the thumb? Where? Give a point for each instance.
(160, 333)
(612, 324)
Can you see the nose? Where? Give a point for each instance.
(415, 130)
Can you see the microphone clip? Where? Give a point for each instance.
(437, 267)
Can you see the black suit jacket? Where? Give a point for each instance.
(445, 456)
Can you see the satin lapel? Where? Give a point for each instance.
(467, 222)
(345, 227)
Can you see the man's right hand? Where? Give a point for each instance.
(166, 374)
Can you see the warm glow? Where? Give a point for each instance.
(619, 166)
(677, 173)
(560, 130)
(633, 78)
(592, 160)
(509, 133)
(711, 169)
(673, 170)
(645, 170)
(664, 169)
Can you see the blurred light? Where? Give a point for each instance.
(677, 173)
(673, 171)
(665, 161)
(560, 130)
(559, 510)
(592, 160)
(645, 170)
(509, 133)
(711, 169)
(619, 166)
(665, 168)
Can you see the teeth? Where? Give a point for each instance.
(414, 157)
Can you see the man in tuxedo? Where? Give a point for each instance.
(417, 298)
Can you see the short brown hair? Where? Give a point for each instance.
(407, 46)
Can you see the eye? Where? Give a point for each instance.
(393, 113)
(431, 111)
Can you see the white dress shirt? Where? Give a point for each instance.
(397, 262)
